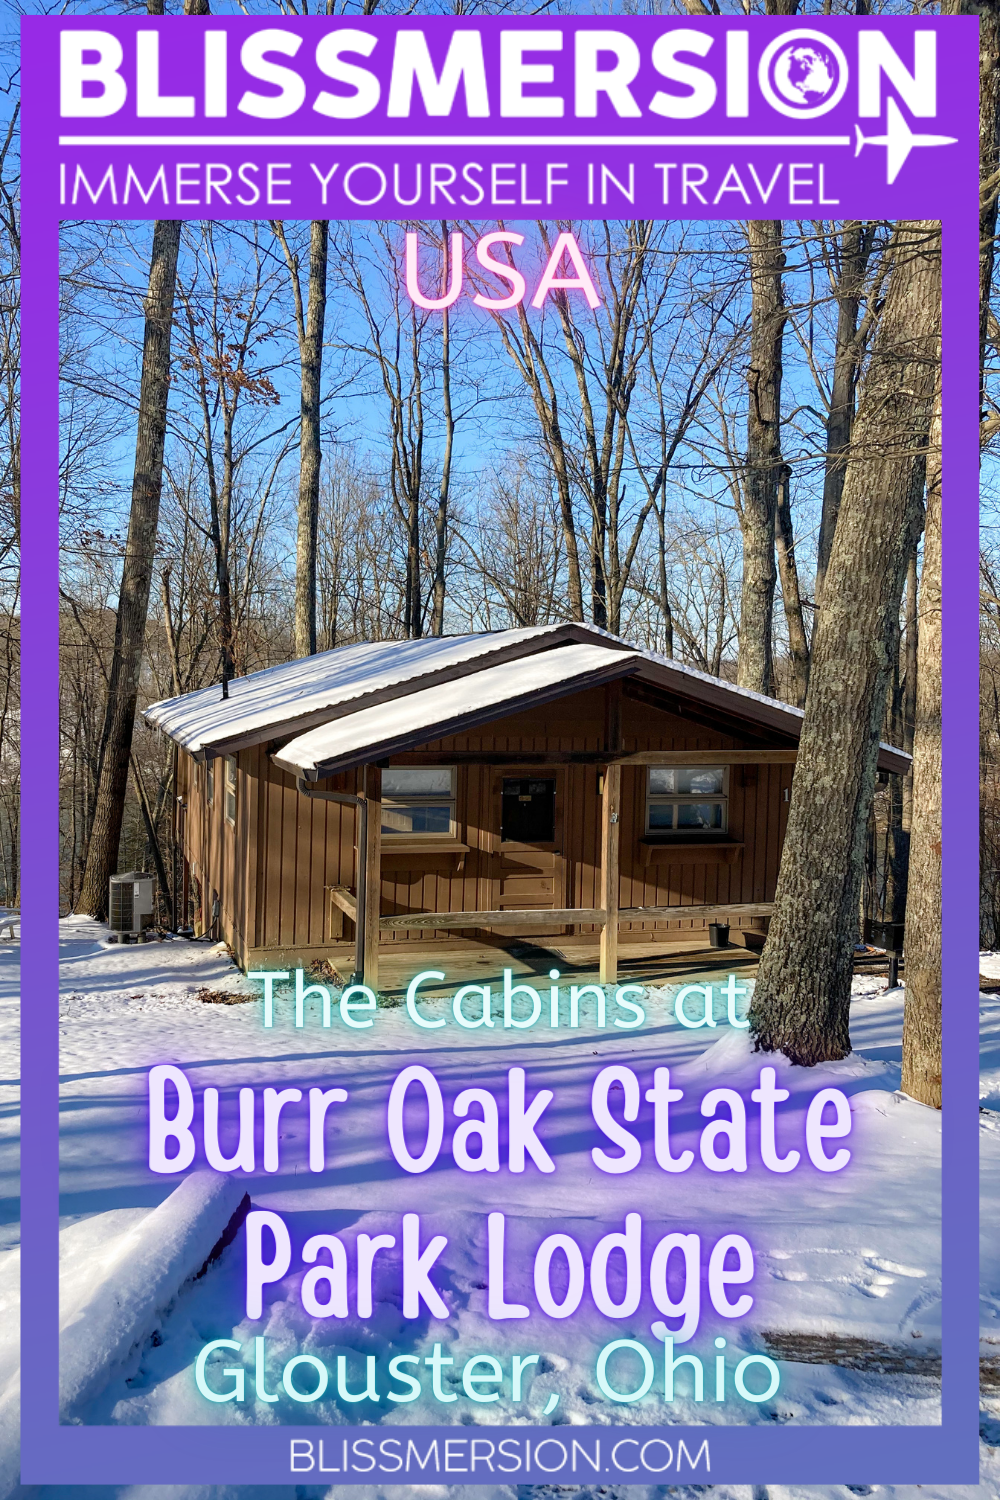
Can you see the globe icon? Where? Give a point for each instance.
(805, 74)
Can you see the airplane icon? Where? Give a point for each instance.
(899, 140)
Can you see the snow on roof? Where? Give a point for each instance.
(312, 684)
(297, 697)
(373, 733)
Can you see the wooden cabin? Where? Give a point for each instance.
(540, 782)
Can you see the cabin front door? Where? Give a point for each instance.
(528, 866)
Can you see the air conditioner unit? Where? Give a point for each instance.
(130, 905)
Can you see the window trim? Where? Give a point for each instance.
(230, 789)
(676, 799)
(404, 800)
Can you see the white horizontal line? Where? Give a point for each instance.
(276, 142)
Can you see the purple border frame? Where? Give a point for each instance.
(947, 1454)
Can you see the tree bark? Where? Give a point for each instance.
(309, 324)
(798, 641)
(149, 821)
(910, 660)
(855, 249)
(901, 734)
(754, 666)
(801, 1004)
(988, 12)
(922, 1014)
(137, 571)
(408, 486)
(444, 488)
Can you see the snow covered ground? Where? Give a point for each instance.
(850, 1255)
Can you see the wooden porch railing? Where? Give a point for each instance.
(445, 921)
(370, 923)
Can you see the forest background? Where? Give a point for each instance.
(476, 472)
(669, 466)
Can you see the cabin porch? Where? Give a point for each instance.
(608, 945)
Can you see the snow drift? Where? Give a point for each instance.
(128, 1290)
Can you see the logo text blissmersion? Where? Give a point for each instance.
(479, 74)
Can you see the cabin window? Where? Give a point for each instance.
(686, 800)
(419, 802)
(210, 782)
(231, 789)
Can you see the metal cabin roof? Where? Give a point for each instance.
(412, 682)
(378, 732)
(293, 696)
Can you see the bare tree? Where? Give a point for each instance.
(395, 347)
(226, 330)
(515, 548)
(988, 12)
(526, 348)
(362, 580)
(755, 665)
(848, 259)
(605, 379)
(791, 595)
(10, 519)
(900, 721)
(673, 420)
(309, 327)
(922, 1014)
(801, 1004)
(137, 568)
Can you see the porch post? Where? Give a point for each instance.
(610, 808)
(373, 875)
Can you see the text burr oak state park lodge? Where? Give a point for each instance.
(496, 1129)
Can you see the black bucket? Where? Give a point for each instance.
(718, 934)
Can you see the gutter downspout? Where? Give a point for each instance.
(348, 799)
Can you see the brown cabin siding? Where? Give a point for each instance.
(273, 872)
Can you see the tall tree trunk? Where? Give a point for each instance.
(412, 469)
(219, 497)
(137, 572)
(855, 249)
(310, 324)
(988, 12)
(661, 562)
(801, 1004)
(173, 656)
(755, 667)
(922, 1014)
(149, 821)
(444, 488)
(798, 641)
(901, 733)
(910, 664)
